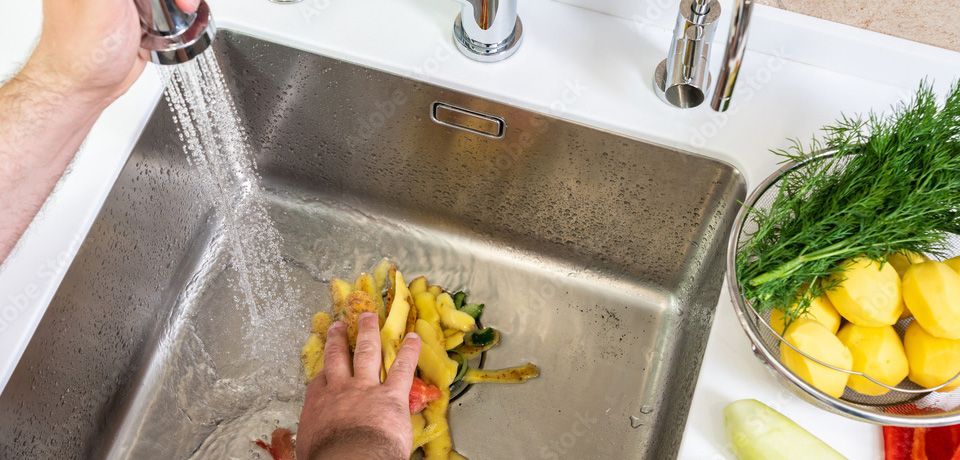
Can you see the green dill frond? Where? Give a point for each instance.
(893, 185)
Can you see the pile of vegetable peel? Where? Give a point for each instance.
(450, 335)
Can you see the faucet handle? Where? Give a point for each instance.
(488, 30)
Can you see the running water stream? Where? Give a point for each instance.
(217, 147)
(246, 396)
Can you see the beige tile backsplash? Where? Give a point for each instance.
(935, 22)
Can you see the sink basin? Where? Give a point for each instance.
(598, 256)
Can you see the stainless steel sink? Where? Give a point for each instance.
(599, 257)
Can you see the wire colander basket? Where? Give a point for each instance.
(906, 404)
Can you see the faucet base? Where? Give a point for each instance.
(681, 96)
(487, 52)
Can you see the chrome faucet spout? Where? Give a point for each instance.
(733, 56)
(488, 30)
(171, 35)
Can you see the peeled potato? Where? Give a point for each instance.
(932, 292)
(877, 352)
(954, 263)
(820, 310)
(320, 322)
(933, 361)
(311, 356)
(901, 261)
(816, 341)
(867, 293)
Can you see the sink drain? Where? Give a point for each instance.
(460, 388)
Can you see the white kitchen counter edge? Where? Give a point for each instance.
(575, 64)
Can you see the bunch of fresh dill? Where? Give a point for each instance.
(893, 185)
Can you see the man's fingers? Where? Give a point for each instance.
(189, 6)
(400, 375)
(366, 356)
(336, 354)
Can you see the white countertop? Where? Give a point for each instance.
(587, 66)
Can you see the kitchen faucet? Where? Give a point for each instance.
(683, 78)
(171, 35)
(488, 30)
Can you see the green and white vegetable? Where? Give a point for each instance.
(758, 432)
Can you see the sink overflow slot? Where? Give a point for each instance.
(468, 120)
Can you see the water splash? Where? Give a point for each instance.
(217, 147)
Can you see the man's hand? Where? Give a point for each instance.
(348, 413)
(90, 48)
(88, 55)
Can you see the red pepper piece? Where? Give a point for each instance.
(897, 443)
(281, 445)
(941, 443)
(421, 394)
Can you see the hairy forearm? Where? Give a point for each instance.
(42, 124)
(358, 443)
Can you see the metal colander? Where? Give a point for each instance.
(907, 404)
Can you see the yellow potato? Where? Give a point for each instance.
(452, 318)
(954, 263)
(357, 302)
(517, 374)
(453, 341)
(396, 323)
(877, 352)
(366, 283)
(427, 307)
(436, 414)
(381, 273)
(816, 341)
(423, 433)
(430, 335)
(932, 292)
(412, 316)
(339, 290)
(320, 322)
(821, 311)
(901, 261)
(311, 356)
(435, 365)
(418, 285)
(418, 423)
(933, 361)
(867, 293)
